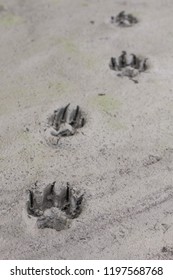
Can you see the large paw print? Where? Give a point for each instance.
(54, 208)
(124, 20)
(128, 65)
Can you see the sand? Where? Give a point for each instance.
(57, 51)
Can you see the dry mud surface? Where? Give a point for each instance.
(55, 52)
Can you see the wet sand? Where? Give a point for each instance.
(57, 51)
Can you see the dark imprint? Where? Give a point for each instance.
(166, 253)
(65, 121)
(128, 65)
(124, 20)
(54, 209)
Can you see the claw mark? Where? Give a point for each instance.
(52, 187)
(113, 63)
(48, 195)
(67, 192)
(76, 114)
(64, 116)
(31, 205)
(31, 199)
(82, 122)
(135, 63)
(35, 184)
(122, 60)
(79, 201)
(143, 66)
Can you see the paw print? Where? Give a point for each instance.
(64, 122)
(54, 208)
(128, 65)
(124, 20)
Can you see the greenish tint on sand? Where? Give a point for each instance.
(10, 20)
(84, 4)
(59, 86)
(106, 103)
(109, 106)
(68, 45)
(55, 1)
(115, 124)
(60, 89)
(2, 8)
(89, 62)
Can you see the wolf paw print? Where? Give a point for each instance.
(128, 65)
(64, 122)
(54, 208)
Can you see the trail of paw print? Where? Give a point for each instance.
(124, 20)
(65, 121)
(54, 209)
(128, 65)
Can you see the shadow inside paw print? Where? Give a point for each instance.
(65, 121)
(124, 20)
(54, 208)
(128, 65)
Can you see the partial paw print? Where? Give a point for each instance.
(128, 65)
(166, 253)
(152, 159)
(54, 208)
(124, 20)
(64, 122)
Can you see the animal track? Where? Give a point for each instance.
(166, 253)
(124, 20)
(54, 208)
(128, 65)
(152, 160)
(64, 122)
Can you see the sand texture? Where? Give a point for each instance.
(55, 52)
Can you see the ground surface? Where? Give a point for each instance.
(122, 159)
